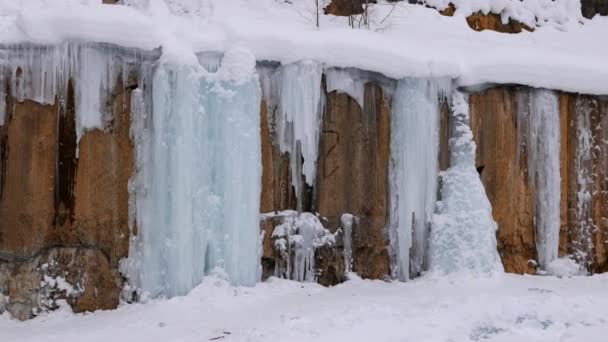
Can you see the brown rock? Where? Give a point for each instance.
(502, 166)
(587, 171)
(491, 21)
(52, 202)
(352, 174)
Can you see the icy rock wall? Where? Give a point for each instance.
(294, 91)
(413, 171)
(198, 180)
(463, 233)
(42, 73)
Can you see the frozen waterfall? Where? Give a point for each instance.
(413, 171)
(539, 113)
(463, 234)
(197, 185)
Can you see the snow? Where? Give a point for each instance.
(500, 309)
(413, 41)
(533, 13)
(413, 173)
(463, 232)
(565, 267)
(198, 179)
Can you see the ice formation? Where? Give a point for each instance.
(295, 91)
(539, 115)
(346, 224)
(296, 240)
(463, 232)
(198, 178)
(413, 171)
(41, 73)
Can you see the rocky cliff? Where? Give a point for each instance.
(64, 206)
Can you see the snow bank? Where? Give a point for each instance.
(530, 12)
(404, 41)
(565, 267)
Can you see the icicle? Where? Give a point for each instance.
(463, 234)
(296, 240)
(41, 74)
(346, 223)
(413, 172)
(198, 200)
(539, 116)
(299, 119)
(346, 81)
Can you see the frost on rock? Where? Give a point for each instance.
(584, 227)
(296, 240)
(294, 90)
(463, 232)
(41, 73)
(198, 179)
(413, 172)
(539, 120)
(54, 288)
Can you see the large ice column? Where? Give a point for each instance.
(413, 172)
(198, 185)
(298, 122)
(539, 113)
(463, 233)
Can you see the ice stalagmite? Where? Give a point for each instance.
(539, 113)
(413, 172)
(463, 232)
(198, 184)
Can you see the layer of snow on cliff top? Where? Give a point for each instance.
(566, 52)
(507, 308)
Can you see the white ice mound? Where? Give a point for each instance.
(462, 238)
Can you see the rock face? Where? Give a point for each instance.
(353, 174)
(586, 179)
(501, 162)
(352, 178)
(64, 211)
(592, 7)
(503, 173)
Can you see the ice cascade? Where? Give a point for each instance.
(294, 97)
(198, 178)
(539, 113)
(463, 233)
(413, 171)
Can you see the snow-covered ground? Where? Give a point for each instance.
(505, 308)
